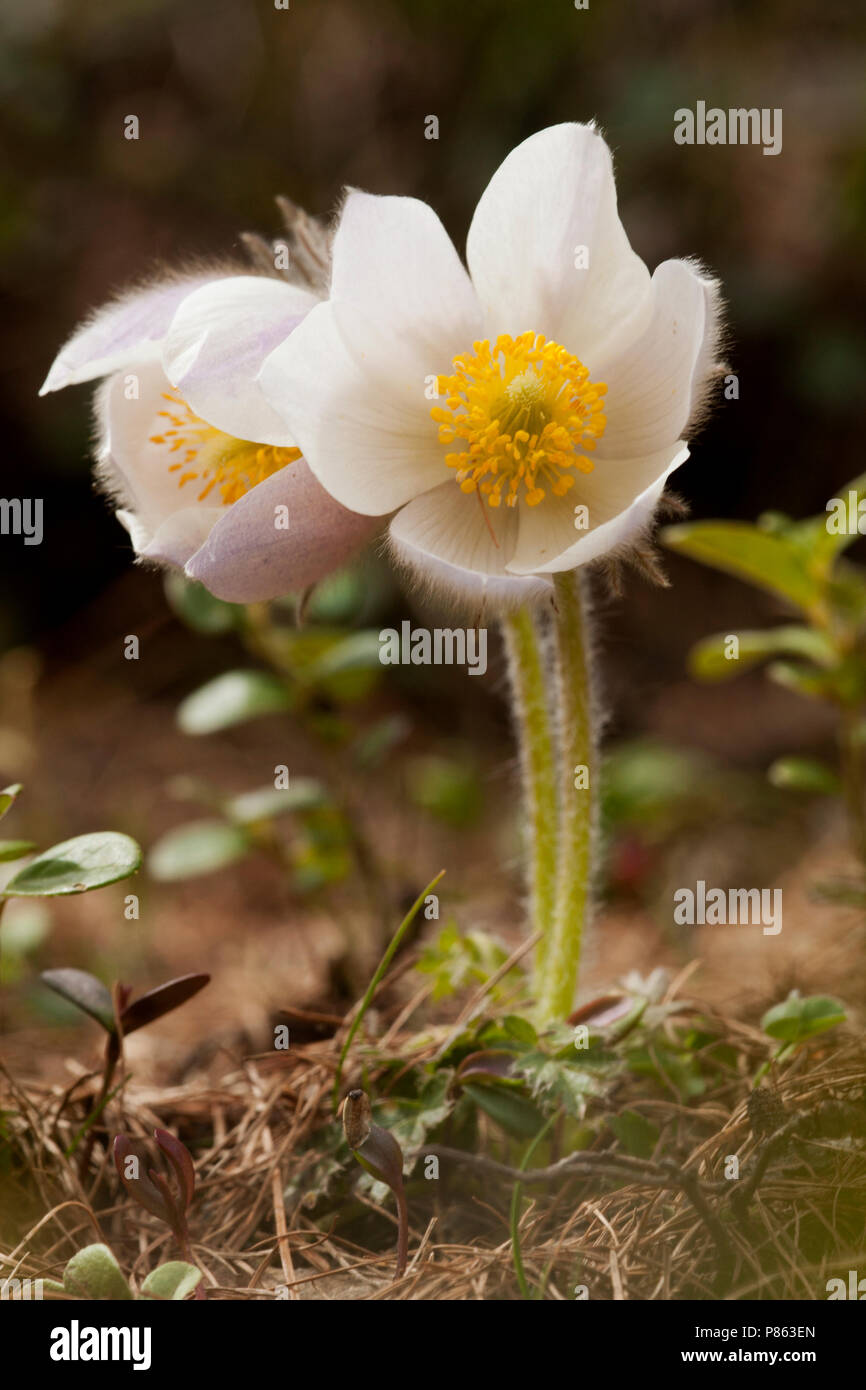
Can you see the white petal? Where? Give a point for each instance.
(129, 327)
(620, 506)
(246, 559)
(443, 539)
(135, 469)
(554, 194)
(217, 342)
(401, 296)
(655, 385)
(371, 448)
(179, 536)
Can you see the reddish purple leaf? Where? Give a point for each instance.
(179, 1157)
(601, 1012)
(146, 1192)
(157, 1002)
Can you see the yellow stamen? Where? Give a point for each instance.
(233, 466)
(526, 413)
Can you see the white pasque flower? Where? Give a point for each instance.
(566, 374)
(202, 468)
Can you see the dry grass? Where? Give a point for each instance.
(645, 1233)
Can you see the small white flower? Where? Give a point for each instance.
(203, 471)
(567, 375)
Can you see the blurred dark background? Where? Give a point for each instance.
(238, 101)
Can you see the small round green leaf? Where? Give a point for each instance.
(94, 1273)
(175, 1280)
(231, 699)
(201, 847)
(265, 803)
(77, 866)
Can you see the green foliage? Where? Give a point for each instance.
(637, 1135)
(15, 849)
(708, 660)
(24, 926)
(456, 960)
(449, 788)
(197, 607)
(652, 785)
(200, 847)
(77, 866)
(796, 1019)
(269, 803)
(230, 699)
(173, 1281)
(761, 557)
(804, 775)
(822, 658)
(94, 1274)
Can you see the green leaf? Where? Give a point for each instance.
(797, 1019)
(513, 1112)
(804, 775)
(849, 891)
(348, 668)
(762, 558)
(374, 744)
(77, 866)
(827, 543)
(554, 1079)
(24, 927)
(8, 797)
(520, 1028)
(231, 699)
(357, 652)
(302, 794)
(15, 849)
(457, 961)
(84, 991)
(449, 789)
(195, 606)
(94, 1273)
(846, 683)
(337, 598)
(174, 1280)
(200, 847)
(411, 1120)
(708, 660)
(637, 1135)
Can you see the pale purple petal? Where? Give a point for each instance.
(131, 326)
(247, 558)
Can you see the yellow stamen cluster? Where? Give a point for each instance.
(527, 413)
(207, 455)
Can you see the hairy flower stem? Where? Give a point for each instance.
(577, 775)
(526, 670)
